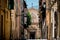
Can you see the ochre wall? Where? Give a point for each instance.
(7, 24)
(6, 19)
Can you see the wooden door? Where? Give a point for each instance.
(1, 36)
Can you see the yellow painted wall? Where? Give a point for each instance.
(6, 19)
(7, 24)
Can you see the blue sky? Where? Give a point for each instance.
(34, 3)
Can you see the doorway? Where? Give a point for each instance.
(56, 24)
(1, 28)
(32, 35)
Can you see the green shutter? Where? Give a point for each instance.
(11, 4)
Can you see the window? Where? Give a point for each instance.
(11, 4)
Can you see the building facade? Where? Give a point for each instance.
(5, 20)
(16, 19)
(33, 31)
(54, 20)
(52, 16)
(58, 8)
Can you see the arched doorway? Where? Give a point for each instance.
(1, 27)
(32, 35)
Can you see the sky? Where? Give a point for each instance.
(32, 3)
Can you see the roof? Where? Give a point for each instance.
(33, 9)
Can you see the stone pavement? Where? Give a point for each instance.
(42, 39)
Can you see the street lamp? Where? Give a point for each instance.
(44, 4)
